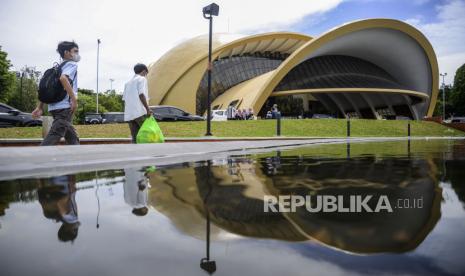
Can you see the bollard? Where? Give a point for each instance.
(408, 129)
(348, 127)
(278, 124)
(46, 125)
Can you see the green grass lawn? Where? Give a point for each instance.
(259, 128)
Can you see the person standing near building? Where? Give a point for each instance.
(231, 112)
(239, 114)
(63, 110)
(275, 112)
(250, 114)
(135, 97)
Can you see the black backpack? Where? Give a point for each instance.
(50, 88)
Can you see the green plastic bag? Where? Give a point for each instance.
(150, 132)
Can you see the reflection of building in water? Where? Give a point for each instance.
(235, 201)
(398, 178)
(176, 195)
(179, 194)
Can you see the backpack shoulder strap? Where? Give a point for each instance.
(62, 64)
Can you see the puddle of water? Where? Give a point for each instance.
(189, 218)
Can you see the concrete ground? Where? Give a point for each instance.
(20, 162)
(25, 142)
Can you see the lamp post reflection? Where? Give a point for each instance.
(205, 263)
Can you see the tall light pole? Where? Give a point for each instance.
(443, 96)
(111, 84)
(208, 13)
(20, 75)
(98, 56)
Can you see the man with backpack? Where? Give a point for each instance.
(58, 89)
(135, 97)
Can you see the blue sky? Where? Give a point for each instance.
(442, 22)
(143, 30)
(355, 10)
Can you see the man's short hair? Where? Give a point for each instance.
(139, 68)
(140, 211)
(68, 232)
(66, 46)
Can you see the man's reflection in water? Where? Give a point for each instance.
(57, 197)
(136, 187)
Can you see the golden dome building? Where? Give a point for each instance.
(370, 68)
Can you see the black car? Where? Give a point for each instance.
(12, 117)
(113, 117)
(171, 113)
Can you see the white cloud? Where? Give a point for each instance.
(447, 35)
(131, 31)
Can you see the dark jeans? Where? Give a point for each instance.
(134, 126)
(62, 126)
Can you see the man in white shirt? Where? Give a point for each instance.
(136, 186)
(135, 98)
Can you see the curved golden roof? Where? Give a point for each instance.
(327, 37)
(174, 79)
(176, 62)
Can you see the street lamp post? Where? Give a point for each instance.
(21, 90)
(98, 56)
(111, 84)
(208, 13)
(443, 96)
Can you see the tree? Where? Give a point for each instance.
(438, 108)
(108, 101)
(86, 104)
(457, 96)
(111, 101)
(7, 78)
(25, 96)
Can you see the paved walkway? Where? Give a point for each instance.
(21, 142)
(16, 162)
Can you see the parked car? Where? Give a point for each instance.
(93, 118)
(171, 113)
(458, 120)
(322, 116)
(12, 117)
(113, 117)
(219, 115)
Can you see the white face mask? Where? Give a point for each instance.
(76, 57)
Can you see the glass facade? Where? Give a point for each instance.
(336, 71)
(228, 72)
(331, 71)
